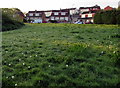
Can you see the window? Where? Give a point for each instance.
(37, 14)
(31, 18)
(89, 15)
(62, 13)
(56, 13)
(94, 8)
(61, 18)
(56, 18)
(30, 14)
(66, 18)
(52, 18)
(83, 16)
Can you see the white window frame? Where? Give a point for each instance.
(62, 18)
(56, 18)
(56, 13)
(83, 16)
(31, 18)
(63, 13)
(90, 15)
(37, 14)
(52, 18)
(66, 18)
(30, 14)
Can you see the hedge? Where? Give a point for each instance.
(107, 17)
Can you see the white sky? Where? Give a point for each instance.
(28, 5)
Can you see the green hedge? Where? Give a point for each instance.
(107, 17)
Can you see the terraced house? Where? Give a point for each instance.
(36, 15)
(62, 15)
(87, 13)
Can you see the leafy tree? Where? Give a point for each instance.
(9, 20)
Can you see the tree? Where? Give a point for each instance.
(9, 21)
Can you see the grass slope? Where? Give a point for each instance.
(61, 55)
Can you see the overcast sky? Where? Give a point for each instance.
(27, 5)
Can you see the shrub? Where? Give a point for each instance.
(107, 17)
(9, 24)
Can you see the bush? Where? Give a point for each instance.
(97, 18)
(107, 17)
(10, 24)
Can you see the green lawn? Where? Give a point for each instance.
(61, 55)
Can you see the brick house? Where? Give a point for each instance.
(34, 15)
(61, 15)
(87, 13)
(73, 14)
(108, 8)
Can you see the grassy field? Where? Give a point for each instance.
(61, 55)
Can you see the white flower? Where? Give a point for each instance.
(30, 56)
(23, 63)
(36, 55)
(9, 64)
(49, 66)
(16, 84)
(66, 65)
(114, 52)
(7, 77)
(28, 66)
(19, 59)
(102, 52)
(13, 77)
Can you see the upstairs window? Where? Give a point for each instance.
(62, 13)
(37, 14)
(30, 14)
(56, 13)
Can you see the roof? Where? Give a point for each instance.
(108, 8)
(35, 11)
(69, 9)
(96, 6)
(61, 10)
